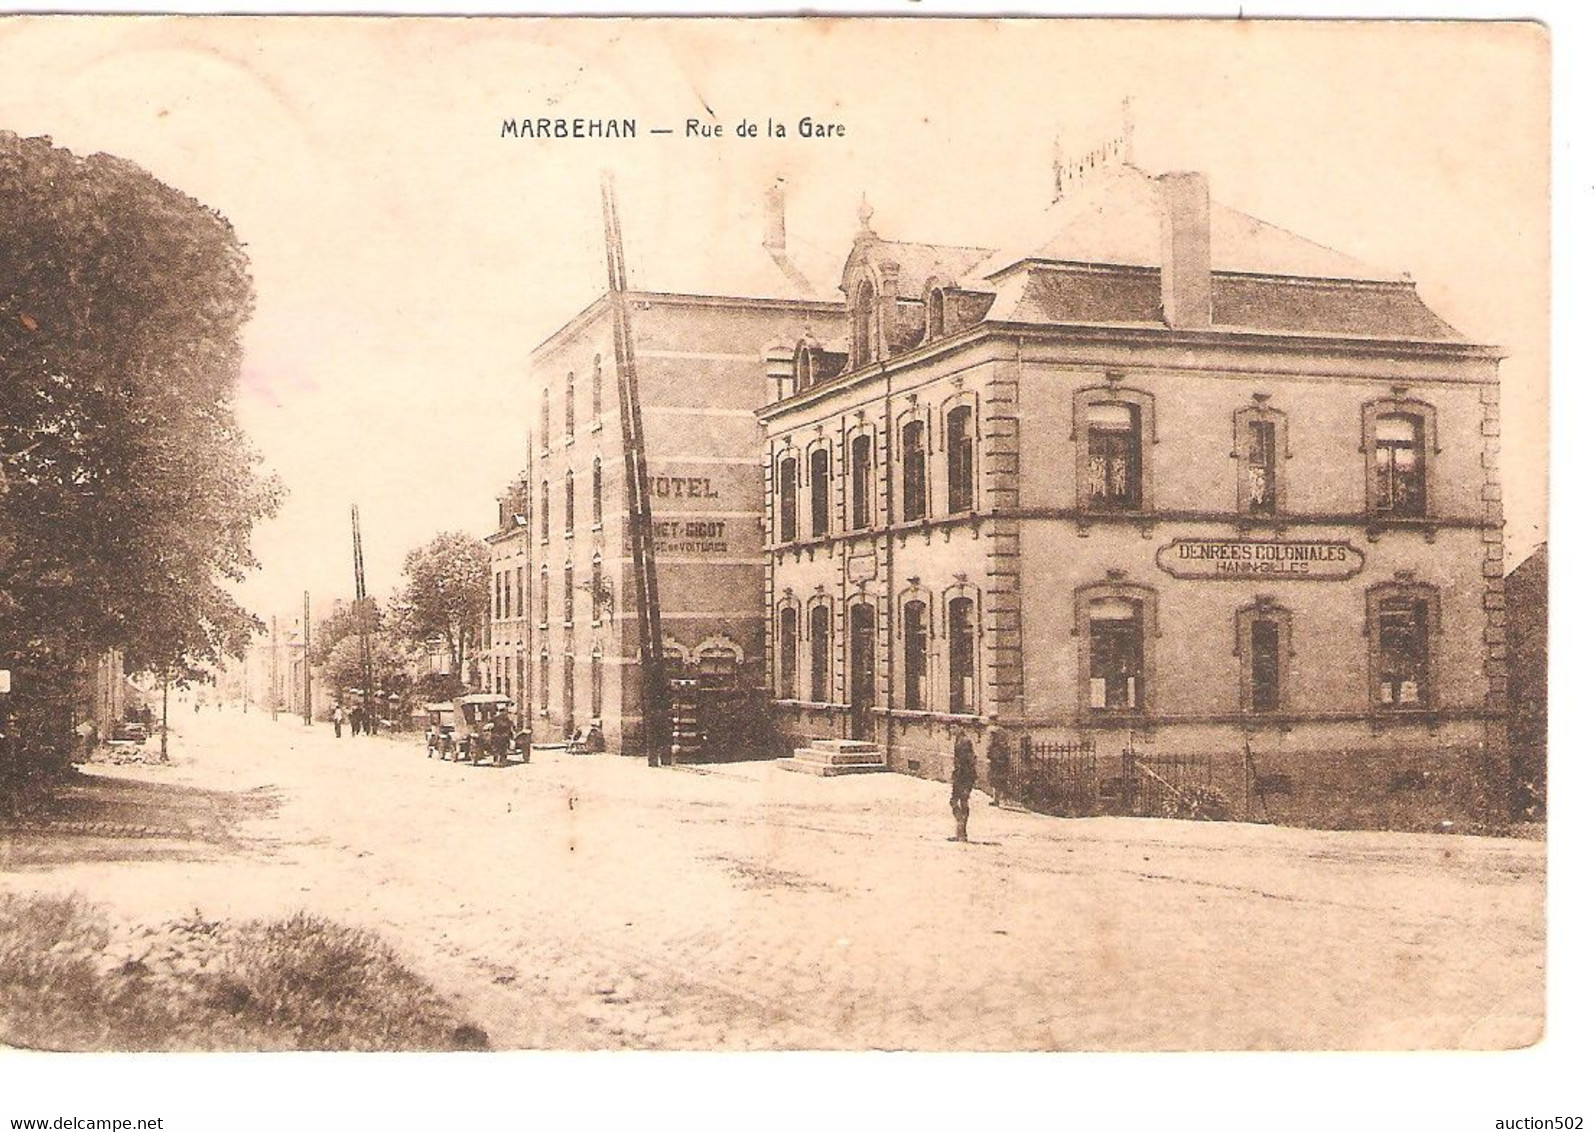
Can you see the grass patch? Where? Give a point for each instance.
(69, 979)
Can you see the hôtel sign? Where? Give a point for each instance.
(1244, 559)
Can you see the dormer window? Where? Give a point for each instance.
(803, 364)
(864, 338)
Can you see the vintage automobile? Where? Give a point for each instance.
(439, 730)
(474, 724)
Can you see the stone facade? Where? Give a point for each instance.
(1273, 520)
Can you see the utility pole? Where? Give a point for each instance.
(305, 642)
(362, 619)
(275, 682)
(655, 691)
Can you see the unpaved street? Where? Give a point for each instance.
(592, 902)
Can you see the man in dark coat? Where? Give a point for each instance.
(963, 775)
(502, 733)
(999, 764)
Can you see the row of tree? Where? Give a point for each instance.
(438, 607)
(127, 488)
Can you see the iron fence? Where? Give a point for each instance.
(1058, 778)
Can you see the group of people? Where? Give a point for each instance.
(965, 773)
(357, 719)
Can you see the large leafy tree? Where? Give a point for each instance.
(127, 490)
(446, 586)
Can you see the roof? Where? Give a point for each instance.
(729, 259)
(1116, 218)
(917, 264)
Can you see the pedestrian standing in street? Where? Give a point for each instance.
(356, 719)
(963, 774)
(337, 722)
(999, 763)
(498, 741)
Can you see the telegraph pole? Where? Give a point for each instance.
(275, 682)
(363, 621)
(305, 641)
(655, 691)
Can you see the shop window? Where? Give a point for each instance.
(788, 499)
(787, 669)
(1117, 656)
(860, 473)
(570, 405)
(915, 654)
(543, 518)
(960, 655)
(570, 504)
(960, 460)
(819, 665)
(1114, 457)
(597, 491)
(1403, 622)
(914, 502)
(570, 594)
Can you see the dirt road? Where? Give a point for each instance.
(592, 902)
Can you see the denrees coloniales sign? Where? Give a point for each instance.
(1287, 559)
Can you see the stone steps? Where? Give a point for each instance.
(830, 757)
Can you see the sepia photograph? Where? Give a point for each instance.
(792, 534)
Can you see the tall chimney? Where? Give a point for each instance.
(1186, 251)
(775, 216)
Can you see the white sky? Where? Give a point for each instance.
(407, 259)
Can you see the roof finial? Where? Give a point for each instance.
(865, 214)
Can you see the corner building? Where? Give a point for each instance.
(1163, 473)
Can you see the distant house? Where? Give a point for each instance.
(1527, 635)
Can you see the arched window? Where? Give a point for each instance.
(819, 491)
(934, 314)
(1262, 642)
(597, 387)
(1402, 622)
(787, 668)
(860, 471)
(597, 491)
(570, 503)
(863, 325)
(914, 493)
(960, 460)
(520, 591)
(598, 589)
(570, 405)
(597, 686)
(960, 655)
(1113, 457)
(1398, 465)
(543, 677)
(916, 654)
(803, 364)
(819, 665)
(542, 600)
(544, 517)
(788, 499)
(546, 419)
(1117, 655)
(570, 593)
